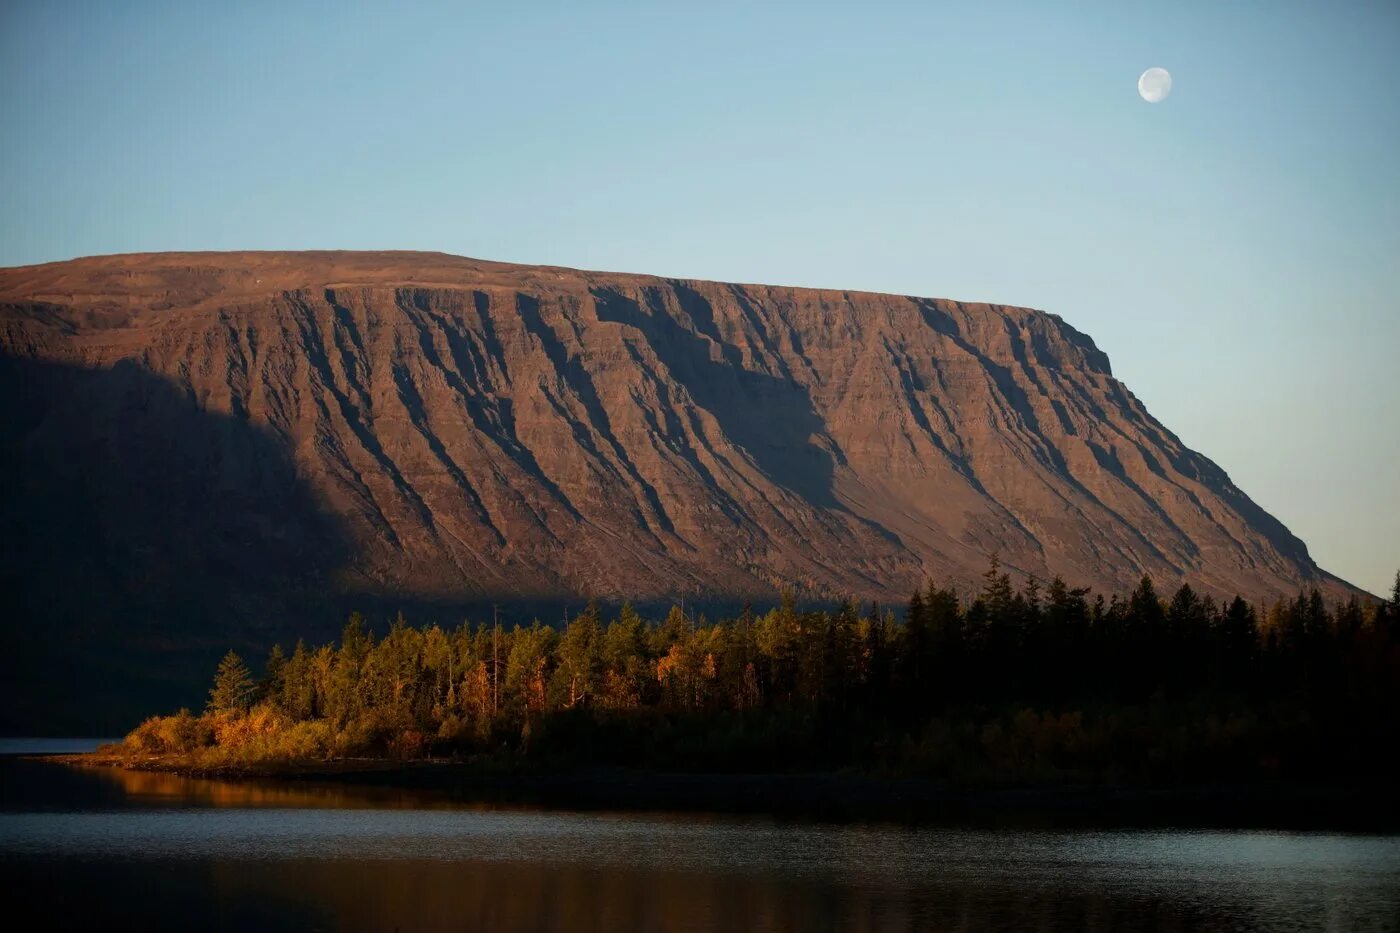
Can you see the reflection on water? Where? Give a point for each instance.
(50, 746)
(156, 789)
(164, 851)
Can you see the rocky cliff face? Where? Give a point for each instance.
(423, 424)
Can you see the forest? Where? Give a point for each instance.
(1031, 684)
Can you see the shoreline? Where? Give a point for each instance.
(1350, 806)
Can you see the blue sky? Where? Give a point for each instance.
(1235, 248)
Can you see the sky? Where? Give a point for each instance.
(1235, 249)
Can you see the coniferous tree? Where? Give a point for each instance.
(233, 686)
(581, 657)
(838, 655)
(914, 648)
(1239, 636)
(1186, 626)
(877, 658)
(299, 685)
(1388, 616)
(943, 645)
(274, 672)
(996, 591)
(1145, 636)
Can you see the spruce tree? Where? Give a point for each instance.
(1395, 601)
(914, 645)
(996, 591)
(274, 676)
(233, 686)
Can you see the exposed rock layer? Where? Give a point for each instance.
(459, 430)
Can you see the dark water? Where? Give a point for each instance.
(49, 746)
(83, 846)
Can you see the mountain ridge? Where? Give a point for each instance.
(493, 430)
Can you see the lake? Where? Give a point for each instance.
(79, 846)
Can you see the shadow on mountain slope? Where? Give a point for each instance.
(140, 537)
(771, 418)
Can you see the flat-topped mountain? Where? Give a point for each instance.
(456, 430)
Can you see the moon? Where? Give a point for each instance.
(1155, 84)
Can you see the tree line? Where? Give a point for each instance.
(1044, 681)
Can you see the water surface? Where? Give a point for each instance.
(176, 853)
(49, 746)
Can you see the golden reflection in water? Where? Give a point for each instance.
(163, 786)
(430, 895)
